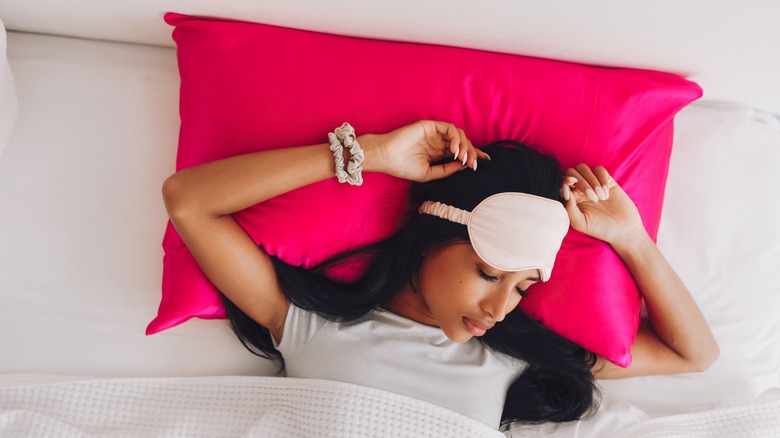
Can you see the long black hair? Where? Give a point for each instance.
(557, 384)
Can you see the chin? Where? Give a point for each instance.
(459, 338)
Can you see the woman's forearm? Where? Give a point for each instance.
(226, 186)
(673, 314)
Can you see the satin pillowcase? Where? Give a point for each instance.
(247, 87)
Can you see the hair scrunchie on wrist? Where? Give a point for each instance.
(344, 137)
(338, 155)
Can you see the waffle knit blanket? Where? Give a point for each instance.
(287, 407)
(223, 407)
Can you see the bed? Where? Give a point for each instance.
(89, 131)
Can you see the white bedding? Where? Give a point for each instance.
(287, 407)
(81, 222)
(225, 407)
(81, 217)
(744, 418)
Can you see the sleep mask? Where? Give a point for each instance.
(511, 231)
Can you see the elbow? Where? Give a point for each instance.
(704, 361)
(174, 195)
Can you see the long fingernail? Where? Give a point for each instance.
(455, 158)
(600, 193)
(606, 191)
(488, 157)
(592, 195)
(465, 157)
(566, 193)
(475, 165)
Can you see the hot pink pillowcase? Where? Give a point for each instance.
(247, 87)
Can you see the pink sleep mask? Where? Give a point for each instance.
(511, 231)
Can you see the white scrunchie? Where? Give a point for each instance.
(345, 136)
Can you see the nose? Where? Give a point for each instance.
(499, 303)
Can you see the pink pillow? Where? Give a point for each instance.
(248, 87)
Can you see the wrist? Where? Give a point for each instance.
(375, 155)
(631, 241)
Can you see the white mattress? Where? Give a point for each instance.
(81, 220)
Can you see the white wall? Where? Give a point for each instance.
(731, 48)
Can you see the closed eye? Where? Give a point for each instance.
(492, 279)
(487, 277)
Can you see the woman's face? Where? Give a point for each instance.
(466, 296)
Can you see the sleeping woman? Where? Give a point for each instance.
(435, 312)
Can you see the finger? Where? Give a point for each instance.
(466, 153)
(567, 186)
(442, 170)
(471, 159)
(451, 135)
(605, 179)
(578, 187)
(482, 154)
(565, 192)
(576, 218)
(464, 147)
(594, 191)
(569, 180)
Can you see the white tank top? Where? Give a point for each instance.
(387, 351)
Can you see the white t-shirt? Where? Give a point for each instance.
(387, 351)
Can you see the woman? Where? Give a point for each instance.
(434, 315)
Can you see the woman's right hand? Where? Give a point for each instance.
(411, 151)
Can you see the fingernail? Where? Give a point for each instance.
(475, 165)
(465, 157)
(455, 158)
(600, 193)
(606, 191)
(488, 157)
(566, 193)
(464, 167)
(592, 195)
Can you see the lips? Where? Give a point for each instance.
(476, 327)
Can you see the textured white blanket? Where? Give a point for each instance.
(286, 407)
(223, 407)
(759, 418)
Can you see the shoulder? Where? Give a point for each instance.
(300, 326)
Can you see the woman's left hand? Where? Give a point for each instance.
(599, 207)
(677, 338)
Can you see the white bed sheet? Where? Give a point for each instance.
(81, 221)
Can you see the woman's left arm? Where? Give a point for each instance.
(676, 338)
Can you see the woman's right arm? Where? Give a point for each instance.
(200, 201)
